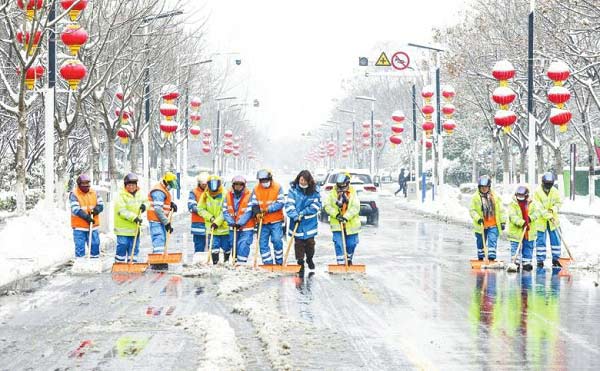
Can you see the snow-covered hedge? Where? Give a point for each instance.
(8, 200)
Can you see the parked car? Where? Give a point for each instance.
(366, 190)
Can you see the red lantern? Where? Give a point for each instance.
(27, 39)
(558, 71)
(235, 153)
(32, 74)
(236, 145)
(119, 93)
(366, 143)
(559, 95)
(365, 134)
(504, 119)
(168, 127)
(427, 92)
(73, 71)
(123, 135)
(195, 103)
(366, 124)
(448, 110)
(31, 8)
(378, 134)
(503, 95)
(349, 132)
(378, 124)
(448, 93)
(74, 36)
(449, 126)
(396, 139)
(206, 148)
(207, 132)
(560, 117)
(74, 12)
(428, 144)
(227, 150)
(397, 128)
(169, 93)
(379, 144)
(503, 71)
(427, 110)
(228, 134)
(398, 116)
(428, 127)
(195, 131)
(228, 141)
(124, 117)
(195, 117)
(206, 141)
(168, 110)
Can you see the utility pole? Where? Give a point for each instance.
(531, 119)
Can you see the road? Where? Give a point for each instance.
(419, 306)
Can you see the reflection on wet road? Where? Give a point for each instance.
(419, 306)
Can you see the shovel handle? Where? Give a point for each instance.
(514, 259)
(137, 231)
(342, 228)
(168, 234)
(561, 235)
(234, 255)
(210, 245)
(257, 244)
(289, 244)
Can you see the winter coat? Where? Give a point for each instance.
(127, 208)
(211, 207)
(351, 213)
(516, 221)
(549, 205)
(82, 205)
(476, 211)
(299, 204)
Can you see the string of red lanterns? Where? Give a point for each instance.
(559, 95)
(504, 95)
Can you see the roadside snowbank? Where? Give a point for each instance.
(36, 241)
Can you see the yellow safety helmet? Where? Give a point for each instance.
(214, 183)
(170, 180)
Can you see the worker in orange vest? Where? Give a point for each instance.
(161, 206)
(238, 214)
(86, 205)
(267, 205)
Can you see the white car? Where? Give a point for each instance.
(367, 192)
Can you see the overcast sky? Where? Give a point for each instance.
(296, 53)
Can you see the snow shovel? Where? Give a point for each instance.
(234, 253)
(165, 257)
(512, 267)
(131, 267)
(257, 244)
(564, 261)
(346, 268)
(210, 245)
(291, 268)
(486, 264)
(88, 265)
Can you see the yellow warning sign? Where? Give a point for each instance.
(383, 60)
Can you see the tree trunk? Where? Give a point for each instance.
(540, 159)
(523, 165)
(21, 158)
(95, 147)
(591, 182)
(558, 165)
(112, 162)
(133, 155)
(62, 148)
(474, 164)
(505, 161)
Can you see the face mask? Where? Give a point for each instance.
(266, 184)
(84, 188)
(303, 186)
(547, 187)
(520, 198)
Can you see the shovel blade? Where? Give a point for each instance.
(476, 263)
(342, 268)
(565, 262)
(170, 258)
(129, 267)
(268, 267)
(290, 268)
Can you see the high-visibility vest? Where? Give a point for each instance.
(267, 196)
(195, 217)
(87, 201)
(166, 207)
(243, 205)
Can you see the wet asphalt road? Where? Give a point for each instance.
(418, 307)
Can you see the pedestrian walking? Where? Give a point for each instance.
(402, 179)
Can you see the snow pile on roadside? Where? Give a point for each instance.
(221, 349)
(585, 249)
(447, 206)
(262, 310)
(581, 205)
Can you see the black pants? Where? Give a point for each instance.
(401, 188)
(302, 247)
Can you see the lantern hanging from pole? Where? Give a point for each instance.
(503, 96)
(207, 132)
(168, 127)
(366, 124)
(119, 93)
(194, 117)
(558, 71)
(74, 36)
(449, 126)
(427, 93)
(378, 134)
(31, 8)
(169, 93)
(236, 145)
(398, 116)
(124, 117)
(195, 104)
(123, 134)
(503, 71)
(206, 141)
(195, 131)
(235, 153)
(559, 95)
(397, 128)
(428, 127)
(73, 71)
(366, 134)
(448, 93)
(378, 124)
(168, 110)
(560, 118)
(76, 10)
(505, 119)
(25, 39)
(32, 74)
(228, 134)
(227, 141)
(227, 150)
(349, 132)
(428, 143)
(395, 139)
(448, 110)
(206, 148)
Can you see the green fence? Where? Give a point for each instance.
(581, 181)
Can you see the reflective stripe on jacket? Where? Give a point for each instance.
(243, 207)
(516, 221)
(165, 205)
(269, 199)
(306, 205)
(212, 207)
(476, 211)
(85, 202)
(549, 205)
(127, 207)
(351, 212)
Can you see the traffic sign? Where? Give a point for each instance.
(400, 61)
(383, 60)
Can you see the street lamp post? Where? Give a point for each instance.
(217, 147)
(353, 133)
(372, 160)
(531, 119)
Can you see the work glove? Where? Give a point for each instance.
(340, 218)
(142, 208)
(503, 226)
(173, 206)
(256, 210)
(480, 221)
(235, 226)
(548, 215)
(168, 228)
(96, 210)
(89, 218)
(137, 220)
(214, 226)
(339, 203)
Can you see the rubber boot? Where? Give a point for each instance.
(540, 264)
(556, 264)
(226, 256)
(159, 267)
(215, 258)
(301, 271)
(311, 264)
(527, 267)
